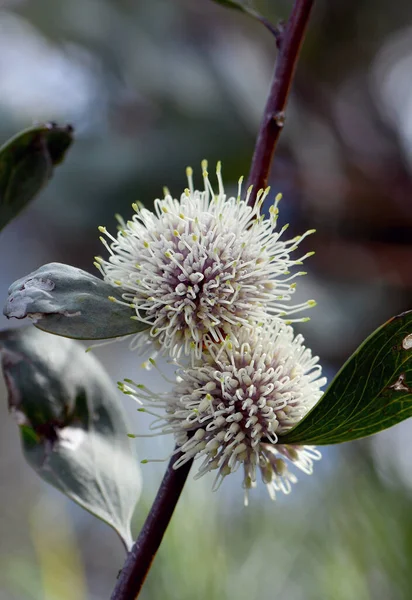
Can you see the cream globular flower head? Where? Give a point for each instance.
(228, 408)
(199, 268)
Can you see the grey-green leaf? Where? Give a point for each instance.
(72, 424)
(67, 301)
(27, 162)
(372, 391)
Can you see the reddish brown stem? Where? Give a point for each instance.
(139, 560)
(274, 114)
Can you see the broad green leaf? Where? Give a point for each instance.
(27, 162)
(372, 391)
(67, 301)
(72, 425)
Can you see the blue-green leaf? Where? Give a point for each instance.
(67, 301)
(27, 162)
(72, 425)
(372, 391)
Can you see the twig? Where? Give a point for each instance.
(139, 560)
(274, 115)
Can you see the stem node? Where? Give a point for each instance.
(289, 42)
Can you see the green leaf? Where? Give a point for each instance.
(27, 162)
(248, 10)
(232, 4)
(372, 391)
(67, 301)
(72, 425)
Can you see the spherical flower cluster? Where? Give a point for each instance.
(199, 269)
(211, 277)
(229, 407)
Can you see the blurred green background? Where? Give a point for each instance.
(151, 87)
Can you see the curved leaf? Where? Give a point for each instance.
(27, 162)
(72, 425)
(72, 303)
(372, 391)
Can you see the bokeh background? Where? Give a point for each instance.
(151, 87)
